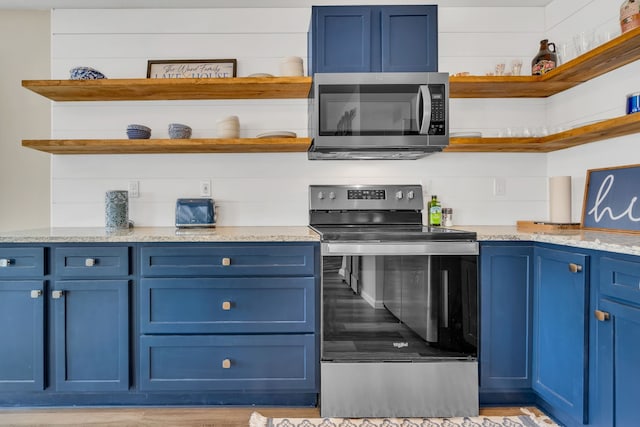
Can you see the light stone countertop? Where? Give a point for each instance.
(161, 234)
(626, 243)
(613, 242)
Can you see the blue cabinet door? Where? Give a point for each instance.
(506, 291)
(409, 38)
(91, 335)
(618, 358)
(560, 330)
(341, 39)
(361, 39)
(21, 335)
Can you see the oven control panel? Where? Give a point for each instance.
(365, 197)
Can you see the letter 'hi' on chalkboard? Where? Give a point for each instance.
(611, 199)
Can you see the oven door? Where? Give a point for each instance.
(414, 302)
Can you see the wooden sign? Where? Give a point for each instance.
(191, 68)
(611, 199)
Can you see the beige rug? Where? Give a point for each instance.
(528, 419)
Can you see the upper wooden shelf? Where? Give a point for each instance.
(604, 129)
(171, 89)
(607, 57)
(161, 146)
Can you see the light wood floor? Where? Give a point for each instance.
(169, 417)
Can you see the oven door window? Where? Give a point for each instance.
(401, 308)
(367, 110)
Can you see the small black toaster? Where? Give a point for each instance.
(195, 213)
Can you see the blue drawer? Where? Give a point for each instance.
(21, 262)
(236, 362)
(227, 305)
(620, 278)
(227, 260)
(91, 261)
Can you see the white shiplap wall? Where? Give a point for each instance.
(271, 189)
(600, 98)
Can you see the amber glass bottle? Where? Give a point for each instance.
(546, 59)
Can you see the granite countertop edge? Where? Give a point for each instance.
(626, 243)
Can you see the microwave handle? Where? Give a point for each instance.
(423, 109)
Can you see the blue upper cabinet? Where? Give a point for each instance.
(409, 38)
(560, 331)
(506, 291)
(360, 39)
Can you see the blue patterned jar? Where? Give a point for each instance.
(116, 209)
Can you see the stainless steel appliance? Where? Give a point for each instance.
(404, 343)
(378, 115)
(191, 213)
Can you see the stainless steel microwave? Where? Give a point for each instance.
(378, 115)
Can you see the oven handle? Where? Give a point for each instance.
(400, 248)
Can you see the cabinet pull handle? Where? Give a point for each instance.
(35, 293)
(575, 268)
(226, 364)
(57, 294)
(5, 262)
(226, 261)
(226, 305)
(602, 316)
(89, 262)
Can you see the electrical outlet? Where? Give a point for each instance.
(134, 189)
(499, 187)
(205, 188)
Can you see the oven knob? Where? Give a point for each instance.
(410, 195)
(332, 195)
(399, 195)
(320, 195)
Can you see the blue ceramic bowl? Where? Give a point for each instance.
(85, 73)
(139, 127)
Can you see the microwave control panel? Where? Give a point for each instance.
(438, 110)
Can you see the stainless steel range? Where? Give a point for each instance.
(399, 306)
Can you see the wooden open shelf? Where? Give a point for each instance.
(604, 129)
(607, 57)
(171, 89)
(159, 146)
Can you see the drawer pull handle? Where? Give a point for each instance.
(226, 305)
(5, 262)
(226, 364)
(35, 293)
(89, 262)
(575, 268)
(57, 294)
(226, 262)
(602, 316)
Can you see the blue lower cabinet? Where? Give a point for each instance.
(229, 305)
(228, 362)
(91, 335)
(506, 303)
(21, 335)
(618, 357)
(560, 332)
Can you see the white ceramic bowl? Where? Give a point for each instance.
(228, 133)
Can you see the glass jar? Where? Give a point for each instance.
(447, 217)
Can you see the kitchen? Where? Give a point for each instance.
(271, 189)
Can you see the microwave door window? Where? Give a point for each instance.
(367, 111)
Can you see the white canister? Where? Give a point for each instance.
(291, 66)
(228, 127)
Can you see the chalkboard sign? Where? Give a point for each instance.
(611, 199)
